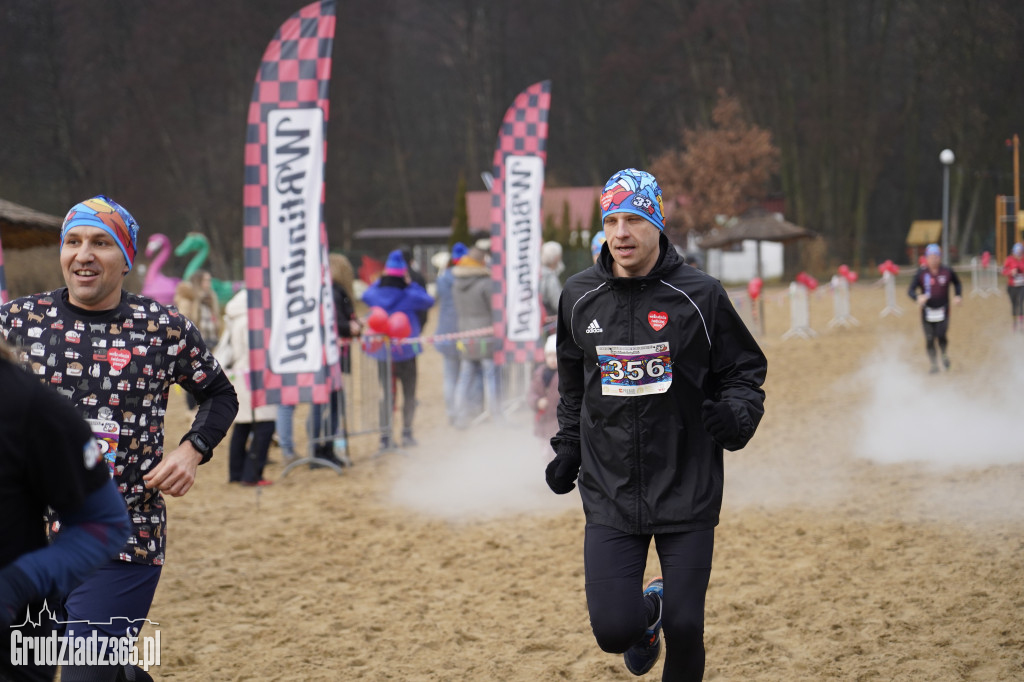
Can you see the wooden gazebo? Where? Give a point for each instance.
(22, 227)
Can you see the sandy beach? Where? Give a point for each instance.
(871, 530)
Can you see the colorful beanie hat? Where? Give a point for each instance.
(395, 265)
(933, 250)
(633, 191)
(458, 251)
(106, 214)
(596, 243)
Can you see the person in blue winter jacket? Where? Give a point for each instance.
(396, 293)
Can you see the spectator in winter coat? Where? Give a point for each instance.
(328, 435)
(254, 426)
(396, 293)
(472, 293)
(448, 323)
(551, 267)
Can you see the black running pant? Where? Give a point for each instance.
(935, 332)
(614, 564)
(1016, 300)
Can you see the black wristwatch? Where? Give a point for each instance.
(201, 445)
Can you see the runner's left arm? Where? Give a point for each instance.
(218, 405)
(199, 373)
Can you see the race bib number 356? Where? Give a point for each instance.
(635, 370)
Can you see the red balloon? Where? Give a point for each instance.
(844, 270)
(398, 326)
(889, 266)
(810, 282)
(852, 276)
(986, 258)
(378, 320)
(754, 288)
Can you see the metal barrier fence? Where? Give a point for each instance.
(984, 278)
(371, 397)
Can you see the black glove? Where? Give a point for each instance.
(564, 468)
(723, 425)
(16, 591)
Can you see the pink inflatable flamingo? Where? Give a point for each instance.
(157, 285)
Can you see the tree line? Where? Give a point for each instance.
(147, 102)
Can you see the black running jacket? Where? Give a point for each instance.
(636, 359)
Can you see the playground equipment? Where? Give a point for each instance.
(157, 285)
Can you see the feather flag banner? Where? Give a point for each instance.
(516, 224)
(293, 354)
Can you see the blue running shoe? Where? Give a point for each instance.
(642, 656)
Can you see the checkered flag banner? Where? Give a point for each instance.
(516, 224)
(3, 277)
(294, 354)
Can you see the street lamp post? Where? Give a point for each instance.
(947, 158)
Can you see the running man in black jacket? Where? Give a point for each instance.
(657, 374)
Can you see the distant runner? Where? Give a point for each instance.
(1013, 268)
(930, 288)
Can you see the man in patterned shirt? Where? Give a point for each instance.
(114, 355)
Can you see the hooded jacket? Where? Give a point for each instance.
(636, 359)
(471, 291)
(394, 295)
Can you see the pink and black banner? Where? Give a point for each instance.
(516, 224)
(293, 345)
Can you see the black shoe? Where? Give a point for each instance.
(642, 656)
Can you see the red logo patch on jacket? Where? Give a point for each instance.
(657, 320)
